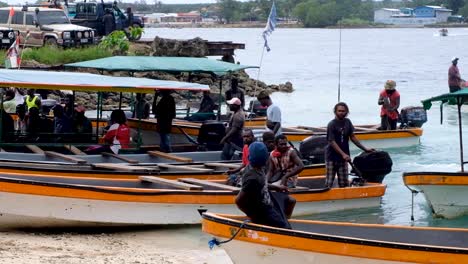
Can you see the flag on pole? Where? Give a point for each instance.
(13, 59)
(270, 26)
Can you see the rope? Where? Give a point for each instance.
(215, 242)
(413, 193)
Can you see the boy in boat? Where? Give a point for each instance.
(248, 138)
(339, 131)
(389, 99)
(254, 199)
(273, 113)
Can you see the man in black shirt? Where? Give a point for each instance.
(165, 112)
(235, 91)
(339, 131)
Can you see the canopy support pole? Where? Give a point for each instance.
(460, 132)
(1, 115)
(120, 101)
(220, 99)
(98, 116)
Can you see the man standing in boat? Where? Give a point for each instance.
(165, 112)
(249, 138)
(454, 78)
(32, 100)
(235, 92)
(389, 98)
(337, 155)
(233, 138)
(273, 113)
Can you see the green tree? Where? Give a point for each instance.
(228, 10)
(455, 5)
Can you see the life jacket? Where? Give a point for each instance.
(31, 103)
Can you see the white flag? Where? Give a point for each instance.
(270, 26)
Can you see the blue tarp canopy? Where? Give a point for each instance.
(166, 64)
(89, 82)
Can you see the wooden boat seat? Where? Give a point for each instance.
(74, 150)
(124, 167)
(119, 157)
(223, 165)
(64, 157)
(299, 188)
(35, 149)
(209, 183)
(169, 156)
(183, 167)
(182, 185)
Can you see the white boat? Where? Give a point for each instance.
(54, 201)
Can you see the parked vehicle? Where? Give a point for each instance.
(90, 14)
(7, 37)
(46, 26)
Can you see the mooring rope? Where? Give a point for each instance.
(215, 242)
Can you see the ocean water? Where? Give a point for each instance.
(416, 59)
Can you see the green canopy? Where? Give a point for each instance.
(455, 98)
(167, 64)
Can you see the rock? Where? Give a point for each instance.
(140, 49)
(196, 47)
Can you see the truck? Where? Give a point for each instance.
(90, 14)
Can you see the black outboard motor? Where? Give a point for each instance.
(257, 108)
(373, 166)
(413, 116)
(210, 135)
(312, 149)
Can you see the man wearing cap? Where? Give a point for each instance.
(233, 138)
(273, 113)
(454, 78)
(389, 99)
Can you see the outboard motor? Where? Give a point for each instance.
(47, 104)
(312, 149)
(257, 108)
(210, 135)
(373, 166)
(413, 116)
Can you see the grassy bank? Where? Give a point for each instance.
(57, 56)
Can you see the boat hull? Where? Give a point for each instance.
(331, 242)
(445, 193)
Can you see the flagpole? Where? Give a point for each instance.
(24, 44)
(258, 77)
(339, 67)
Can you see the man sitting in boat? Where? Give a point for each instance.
(254, 199)
(205, 111)
(117, 137)
(339, 131)
(389, 99)
(248, 138)
(268, 139)
(82, 128)
(284, 164)
(62, 124)
(233, 138)
(454, 77)
(273, 113)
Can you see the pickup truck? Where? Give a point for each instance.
(90, 14)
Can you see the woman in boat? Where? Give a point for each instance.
(254, 198)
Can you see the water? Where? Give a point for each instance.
(416, 59)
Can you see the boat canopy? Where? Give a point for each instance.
(89, 82)
(455, 98)
(166, 64)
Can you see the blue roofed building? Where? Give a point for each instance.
(421, 15)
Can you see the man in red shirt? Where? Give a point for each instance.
(248, 138)
(389, 98)
(454, 78)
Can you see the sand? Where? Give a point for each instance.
(163, 245)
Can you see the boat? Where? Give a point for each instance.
(55, 201)
(445, 192)
(334, 242)
(443, 32)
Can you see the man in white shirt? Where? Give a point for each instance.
(273, 113)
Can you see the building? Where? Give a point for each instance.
(421, 15)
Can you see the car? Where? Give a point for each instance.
(7, 37)
(39, 26)
(90, 14)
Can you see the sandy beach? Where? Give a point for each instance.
(160, 245)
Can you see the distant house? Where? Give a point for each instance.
(421, 15)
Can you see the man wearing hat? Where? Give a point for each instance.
(233, 138)
(390, 100)
(454, 78)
